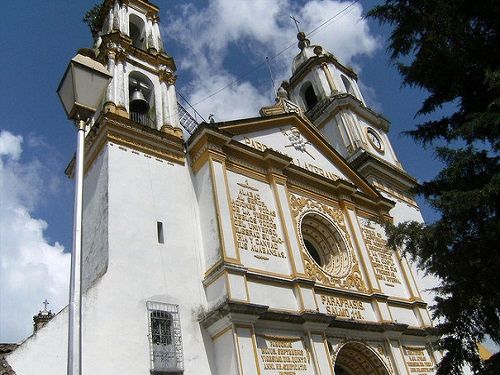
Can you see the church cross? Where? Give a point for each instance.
(296, 23)
(45, 303)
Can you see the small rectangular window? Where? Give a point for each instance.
(165, 338)
(159, 229)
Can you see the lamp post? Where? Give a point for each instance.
(80, 91)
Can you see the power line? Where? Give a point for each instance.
(312, 32)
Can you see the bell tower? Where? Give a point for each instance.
(128, 42)
(329, 95)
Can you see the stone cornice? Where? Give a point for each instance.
(324, 110)
(121, 42)
(111, 127)
(368, 164)
(264, 312)
(305, 68)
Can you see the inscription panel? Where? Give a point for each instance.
(345, 307)
(281, 355)
(383, 260)
(257, 229)
(418, 360)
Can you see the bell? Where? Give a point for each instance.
(138, 103)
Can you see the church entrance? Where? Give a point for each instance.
(355, 358)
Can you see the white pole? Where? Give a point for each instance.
(75, 297)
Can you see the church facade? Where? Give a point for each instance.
(253, 246)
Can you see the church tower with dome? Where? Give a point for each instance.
(252, 246)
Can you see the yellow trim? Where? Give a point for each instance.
(218, 213)
(231, 213)
(254, 343)
(238, 353)
(284, 230)
(328, 354)
(359, 254)
(221, 333)
(213, 267)
(246, 288)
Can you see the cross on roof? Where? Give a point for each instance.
(296, 22)
(45, 303)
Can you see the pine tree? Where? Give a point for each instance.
(451, 48)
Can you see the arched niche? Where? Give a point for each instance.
(137, 31)
(141, 99)
(356, 358)
(309, 95)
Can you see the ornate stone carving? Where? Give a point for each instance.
(349, 280)
(166, 75)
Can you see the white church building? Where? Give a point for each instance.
(248, 247)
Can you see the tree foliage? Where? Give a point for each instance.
(451, 48)
(94, 17)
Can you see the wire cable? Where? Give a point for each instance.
(263, 63)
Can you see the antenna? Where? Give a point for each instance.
(272, 79)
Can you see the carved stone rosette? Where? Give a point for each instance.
(351, 279)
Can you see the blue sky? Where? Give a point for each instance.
(213, 44)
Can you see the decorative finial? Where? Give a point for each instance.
(303, 41)
(281, 94)
(211, 118)
(45, 303)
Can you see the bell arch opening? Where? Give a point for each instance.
(309, 95)
(324, 244)
(355, 358)
(141, 99)
(137, 31)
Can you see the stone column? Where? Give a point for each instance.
(109, 26)
(121, 85)
(116, 17)
(156, 34)
(164, 103)
(172, 101)
(110, 103)
(150, 39)
(124, 19)
(329, 78)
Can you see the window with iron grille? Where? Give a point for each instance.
(165, 340)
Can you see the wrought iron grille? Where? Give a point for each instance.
(165, 339)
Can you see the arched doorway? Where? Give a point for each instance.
(355, 358)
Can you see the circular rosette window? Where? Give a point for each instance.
(324, 244)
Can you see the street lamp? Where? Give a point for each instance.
(80, 91)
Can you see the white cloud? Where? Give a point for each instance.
(31, 269)
(210, 37)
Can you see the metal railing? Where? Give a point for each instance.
(187, 121)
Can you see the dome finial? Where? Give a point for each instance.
(303, 41)
(301, 36)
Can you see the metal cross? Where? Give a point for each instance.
(45, 303)
(296, 22)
